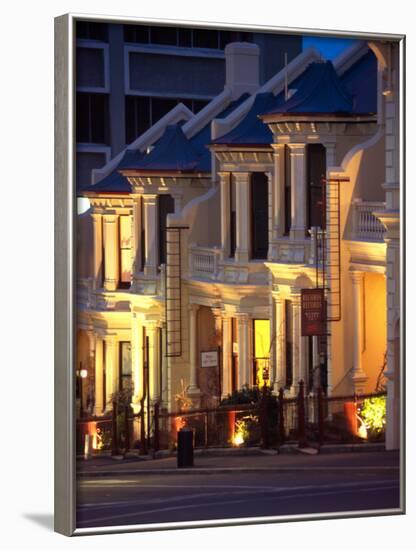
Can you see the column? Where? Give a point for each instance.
(193, 350)
(279, 191)
(97, 227)
(111, 374)
(151, 241)
(330, 148)
(280, 344)
(92, 341)
(298, 355)
(136, 247)
(137, 361)
(164, 360)
(298, 186)
(270, 210)
(226, 356)
(225, 182)
(358, 375)
(111, 252)
(243, 350)
(242, 180)
(177, 201)
(99, 405)
(152, 332)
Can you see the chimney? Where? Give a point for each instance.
(241, 68)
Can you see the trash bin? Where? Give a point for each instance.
(185, 454)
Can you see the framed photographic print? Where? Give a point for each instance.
(228, 274)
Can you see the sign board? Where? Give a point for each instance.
(209, 358)
(313, 311)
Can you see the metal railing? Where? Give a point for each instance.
(203, 262)
(366, 225)
(273, 421)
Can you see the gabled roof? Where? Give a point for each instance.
(361, 81)
(321, 91)
(115, 182)
(174, 152)
(251, 129)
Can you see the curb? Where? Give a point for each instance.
(245, 470)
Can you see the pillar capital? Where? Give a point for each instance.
(193, 307)
(357, 277)
(241, 177)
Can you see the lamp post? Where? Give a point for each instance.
(83, 373)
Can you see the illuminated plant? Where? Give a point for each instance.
(242, 429)
(373, 413)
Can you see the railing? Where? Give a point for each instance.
(366, 225)
(273, 421)
(203, 262)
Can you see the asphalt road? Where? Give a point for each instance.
(158, 498)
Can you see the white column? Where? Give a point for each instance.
(193, 350)
(99, 405)
(358, 375)
(226, 356)
(270, 213)
(242, 180)
(137, 360)
(177, 200)
(330, 149)
(151, 241)
(111, 374)
(298, 186)
(243, 350)
(280, 344)
(297, 341)
(97, 225)
(111, 252)
(164, 360)
(225, 182)
(279, 191)
(136, 238)
(152, 332)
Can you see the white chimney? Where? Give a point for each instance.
(241, 68)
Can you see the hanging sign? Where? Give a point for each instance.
(209, 358)
(313, 311)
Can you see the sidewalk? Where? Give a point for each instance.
(231, 462)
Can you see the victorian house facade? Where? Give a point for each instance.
(201, 236)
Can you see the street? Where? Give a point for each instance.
(300, 485)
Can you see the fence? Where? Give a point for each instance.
(272, 421)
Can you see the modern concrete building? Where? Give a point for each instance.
(129, 76)
(203, 234)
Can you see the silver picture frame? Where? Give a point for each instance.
(65, 271)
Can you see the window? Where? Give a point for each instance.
(137, 33)
(288, 191)
(259, 216)
(234, 353)
(88, 30)
(138, 115)
(90, 67)
(233, 217)
(163, 35)
(125, 378)
(125, 251)
(104, 376)
(316, 170)
(92, 118)
(143, 111)
(166, 206)
(289, 342)
(261, 346)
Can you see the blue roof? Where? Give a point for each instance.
(115, 182)
(361, 81)
(251, 129)
(175, 152)
(320, 92)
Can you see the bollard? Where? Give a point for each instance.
(185, 453)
